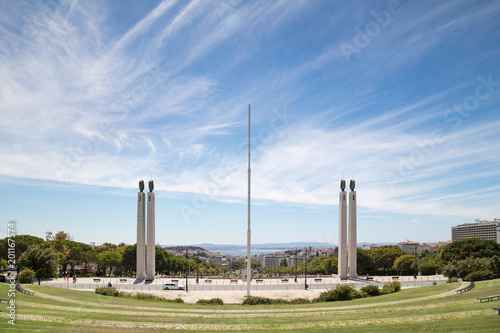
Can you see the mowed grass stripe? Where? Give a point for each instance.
(419, 307)
(322, 313)
(386, 300)
(273, 326)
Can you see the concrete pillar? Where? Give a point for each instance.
(141, 226)
(342, 263)
(353, 239)
(150, 262)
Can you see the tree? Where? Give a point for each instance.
(470, 247)
(129, 259)
(384, 257)
(365, 263)
(42, 259)
(405, 264)
(284, 262)
(463, 268)
(238, 264)
(23, 242)
(161, 260)
(27, 275)
(254, 264)
(429, 267)
(108, 259)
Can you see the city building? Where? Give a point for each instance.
(271, 260)
(222, 261)
(410, 247)
(369, 247)
(415, 247)
(479, 229)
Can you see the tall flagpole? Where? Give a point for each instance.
(249, 232)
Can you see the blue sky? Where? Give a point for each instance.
(403, 96)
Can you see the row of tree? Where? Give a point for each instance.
(59, 254)
(469, 258)
(463, 259)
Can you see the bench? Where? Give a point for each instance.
(148, 281)
(284, 280)
(488, 298)
(175, 281)
(4, 299)
(97, 280)
(21, 289)
(395, 277)
(208, 281)
(259, 281)
(318, 280)
(369, 278)
(469, 287)
(344, 279)
(123, 280)
(498, 309)
(234, 281)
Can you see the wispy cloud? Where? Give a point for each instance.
(88, 102)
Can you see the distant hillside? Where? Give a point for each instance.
(265, 246)
(180, 248)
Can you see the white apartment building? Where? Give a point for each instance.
(479, 229)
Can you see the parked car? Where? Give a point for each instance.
(173, 286)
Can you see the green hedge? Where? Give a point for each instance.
(212, 301)
(391, 287)
(371, 290)
(108, 291)
(257, 300)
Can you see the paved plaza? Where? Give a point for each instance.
(234, 291)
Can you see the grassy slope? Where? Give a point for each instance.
(413, 310)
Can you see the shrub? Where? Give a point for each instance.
(256, 300)
(212, 301)
(340, 293)
(27, 275)
(391, 287)
(300, 301)
(480, 275)
(108, 291)
(146, 296)
(371, 290)
(434, 283)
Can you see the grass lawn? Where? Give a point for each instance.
(434, 308)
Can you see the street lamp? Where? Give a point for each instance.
(187, 288)
(296, 265)
(305, 271)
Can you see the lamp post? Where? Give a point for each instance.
(296, 265)
(187, 288)
(305, 271)
(415, 276)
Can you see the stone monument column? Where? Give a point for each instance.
(352, 256)
(150, 262)
(141, 226)
(342, 263)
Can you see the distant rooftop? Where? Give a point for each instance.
(496, 220)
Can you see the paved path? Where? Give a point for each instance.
(238, 285)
